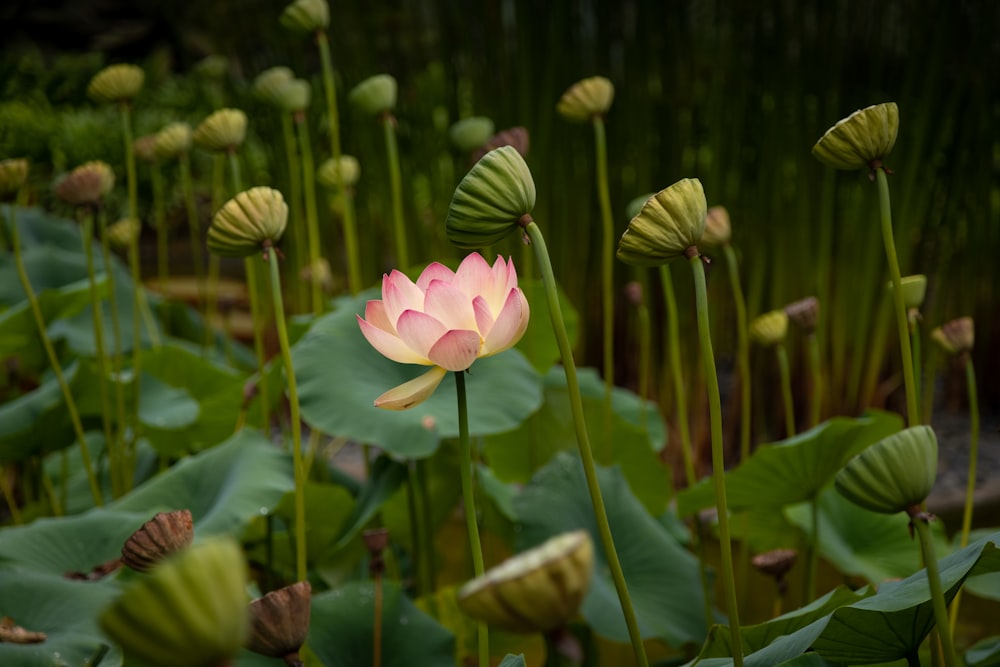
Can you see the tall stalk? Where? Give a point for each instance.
(330, 93)
(677, 374)
(118, 454)
(160, 222)
(607, 274)
(816, 378)
(786, 388)
(133, 261)
(396, 186)
(312, 219)
(194, 231)
(299, 230)
(970, 485)
(742, 347)
(919, 520)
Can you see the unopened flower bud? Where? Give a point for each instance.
(861, 139)
(517, 137)
(294, 95)
(145, 148)
(248, 222)
(123, 233)
(318, 272)
(956, 336)
(670, 222)
(339, 173)
(914, 288)
(268, 84)
(469, 134)
(306, 16)
(117, 83)
(718, 231)
(87, 184)
(633, 292)
(586, 99)
(804, 313)
(13, 175)
(375, 95)
(173, 140)
(770, 328)
(893, 475)
(212, 67)
(222, 131)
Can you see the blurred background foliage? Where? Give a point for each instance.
(732, 92)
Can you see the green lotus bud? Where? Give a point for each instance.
(145, 148)
(279, 621)
(294, 95)
(222, 131)
(894, 474)
(469, 134)
(517, 137)
(491, 200)
(375, 95)
(718, 231)
(249, 222)
(770, 328)
(861, 139)
(87, 184)
(319, 272)
(804, 313)
(173, 140)
(586, 99)
(633, 207)
(117, 83)
(914, 289)
(670, 222)
(190, 610)
(267, 86)
(956, 336)
(212, 67)
(13, 175)
(535, 591)
(339, 173)
(306, 16)
(123, 233)
(162, 536)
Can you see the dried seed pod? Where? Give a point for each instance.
(470, 133)
(804, 313)
(914, 288)
(248, 222)
(487, 205)
(339, 173)
(123, 233)
(375, 95)
(770, 328)
(718, 231)
(117, 83)
(87, 184)
(517, 137)
(861, 139)
(670, 222)
(222, 131)
(13, 175)
(165, 534)
(538, 590)
(279, 621)
(775, 563)
(306, 16)
(267, 86)
(586, 99)
(173, 140)
(956, 336)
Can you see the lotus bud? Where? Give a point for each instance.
(13, 176)
(145, 148)
(222, 131)
(339, 173)
(770, 328)
(538, 590)
(776, 564)
(123, 233)
(319, 271)
(165, 534)
(375, 95)
(633, 292)
(173, 140)
(212, 67)
(469, 134)
(117, 83)
(249, 222)
(279, 622)
(860, 140)
(491, 200)
(517, 137)
(267, 86)
(914, 288)
(893, 475)
(586, 99)
(670, 222)
(306, 16)
(190, 610)
(87, 184)
(294, 95)
(718, 231)
(956, 336)
(804, 313)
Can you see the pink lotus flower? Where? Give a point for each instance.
(447, 319)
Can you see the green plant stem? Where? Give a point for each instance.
(194, 230)
(330, 92)
(885, 215)
(812, 554)
(645, 355)
(396, 186)
(116, 447)
(8, 496)
(212, 287)
(427, 521)
(816, 374)
(416, 530)
(786, 388)
(351, 242)
(970, 485)
(677, 374)
(583, 440)
(742, 347)
(293, 405)
(295, 209)
(133, 261)
(914, 327)
(377, 624)
(312, 219)
(607, 277)
(160, 222)
(469, 499)
(927, 400)
(50, 353)
(718, 463)
(920, 522)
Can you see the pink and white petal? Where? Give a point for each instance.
(510, 325)
(449, 305)
(473, 276)
(391, 346)
(484, 315)
(375, 315)
(419, 330)
(411, 393)
(456, 350)
(434, 271)
(499, 288)
(400, 293)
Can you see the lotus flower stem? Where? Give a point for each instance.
(159, 220)
(914, 327)
(8, 496)
(312, 221)
(194, 230)
(133, 261)
(816, 372)
(416, 530)
(116, 447)
(293, 405)
(299, 230)
(396, 185)
(718, 463)
(469, 499)
(919, 520)
(645, 354)
(885, 214)
(742, 347)
(607, 275)
(426, 520)
(583, 440)
(354, 281)
(50, 352)
(330, 92)
(970, 485)
(786, 389)
(677, 374)
(50, 491)
(812, 555)
(212, 283)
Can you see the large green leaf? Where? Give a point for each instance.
(37, 227)
(512, 660)
(539, 342)
(340, 375)
(165, 408)
(48, 268)
(341, 629)
(387, 476)
(662, 576)
(985, 653)
(793, 470)
(36, 422)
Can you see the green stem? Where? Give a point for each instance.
(416, 530)
(427, 520)
(293, 405)
(914, 327)
(718, 463)
(677, 373)
(116, 447)
(194, 230)
(330, 91)
(160, 221)
(351, 242)
(607, 276)
(645, 355)
(920, 522)
(295, 209)
(396, 185)
(742, 348)
(212, 286)
(583, 440)
(8, 496)
(970, 485)
(36, 311)
(816, 373)
(885, 215)
(812, 556)
(312, 220)
(133, 261)
(786, 388)
(258, 343)
(469, 499)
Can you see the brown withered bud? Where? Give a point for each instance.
(633, 292)
(956, 336)
(376, 541)
(164, 534)
(145, 148)
(804, 313)
(776, 564)
(279, 622)
(517, 137)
